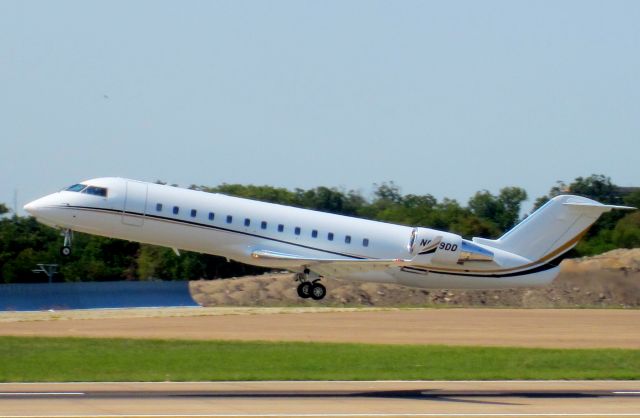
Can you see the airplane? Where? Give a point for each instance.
(316, 244)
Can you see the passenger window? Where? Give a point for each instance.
(247, 221)
(176, 210)
(280, 228)
(211, 216)
(347, 239)
(193, 213)
(158, 207)
(229, 219)
(314, 234)
(297, 230)
(263, 225)
(330, 236)
(365, 242)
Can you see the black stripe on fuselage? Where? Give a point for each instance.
(431, 251)
(192, 223)
(544, 267)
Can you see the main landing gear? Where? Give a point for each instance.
(310, 289)
(65, 251)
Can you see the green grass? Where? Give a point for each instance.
(87, 359)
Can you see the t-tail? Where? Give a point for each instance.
(553, 229)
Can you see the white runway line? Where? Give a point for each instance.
(41, 393)
(269, 382)
(329, 415)
(637, 392)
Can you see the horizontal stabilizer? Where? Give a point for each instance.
(600, 205)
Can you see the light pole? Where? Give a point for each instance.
(48, 269)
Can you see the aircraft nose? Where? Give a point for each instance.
(31, 207)
(34, 207)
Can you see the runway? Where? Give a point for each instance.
(323, 399)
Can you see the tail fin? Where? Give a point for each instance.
(554, 228)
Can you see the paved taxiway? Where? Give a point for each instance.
(322, 399)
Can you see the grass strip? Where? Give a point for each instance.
(94, 359)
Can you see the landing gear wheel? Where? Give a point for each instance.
(304, 290)
(318, 291)
(65, 251)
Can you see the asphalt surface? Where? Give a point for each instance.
(322, 399)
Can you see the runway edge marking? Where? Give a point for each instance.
(42, 393)
(328, 415)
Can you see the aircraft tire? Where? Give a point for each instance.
(318, 291)
(304, 290)
(65, 251)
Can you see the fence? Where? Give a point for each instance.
(92, 295)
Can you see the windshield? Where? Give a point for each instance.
(92, 190)
(76, 188)
(96, 191)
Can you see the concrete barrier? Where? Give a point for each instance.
(93, 295)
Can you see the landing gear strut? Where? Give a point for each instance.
(310, 289)
(65, 251)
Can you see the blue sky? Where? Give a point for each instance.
(446, 98)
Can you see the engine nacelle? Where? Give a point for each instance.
(448, 251)
(435, 247)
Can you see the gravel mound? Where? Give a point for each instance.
(609, 280)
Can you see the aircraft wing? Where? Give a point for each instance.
(343, 266)
(329, 266)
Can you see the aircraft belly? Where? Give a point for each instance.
(379, 276)
(432, 280)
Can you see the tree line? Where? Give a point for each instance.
(24, 242)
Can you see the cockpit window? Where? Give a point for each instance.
(96, 191)
(76, 188)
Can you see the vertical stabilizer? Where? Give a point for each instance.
(553, 229)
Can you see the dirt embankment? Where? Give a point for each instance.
(607, 280)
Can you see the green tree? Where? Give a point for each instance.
(633, 199)
(23, 243)
(503, 210)
(597, 187)
(329, 200)
(162, 263)
(626, 233)
(99, 259)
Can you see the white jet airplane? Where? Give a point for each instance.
(317, 244)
